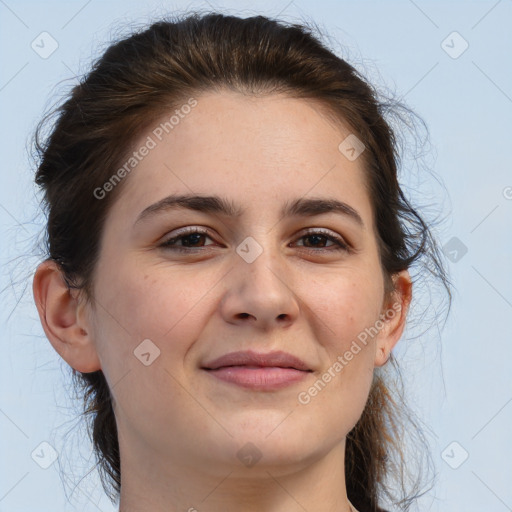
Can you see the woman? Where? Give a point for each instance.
(227, 272)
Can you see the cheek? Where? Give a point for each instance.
(346, 315)
(157, 303)
(346, 303)
(138, 304)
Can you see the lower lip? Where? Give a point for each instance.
(262, 378)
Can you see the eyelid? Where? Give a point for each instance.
(184, 232)
(323, 231)
(338, 240)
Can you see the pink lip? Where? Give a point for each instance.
(252, 370)
(250, 358)
(259, 378)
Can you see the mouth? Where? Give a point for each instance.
(263, 372)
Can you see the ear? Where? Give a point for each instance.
(393, 317)
(63, 315)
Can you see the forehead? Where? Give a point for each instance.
(255, 150)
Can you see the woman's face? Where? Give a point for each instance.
(272, 278)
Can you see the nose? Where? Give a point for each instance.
(260, 292)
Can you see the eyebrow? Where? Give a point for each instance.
(303, 207)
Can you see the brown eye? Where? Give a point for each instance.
(191, 239)
(317, 240)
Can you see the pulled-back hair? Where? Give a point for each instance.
(158, 69)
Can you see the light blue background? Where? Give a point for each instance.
(459, 381)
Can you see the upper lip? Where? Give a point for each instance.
(250, 358)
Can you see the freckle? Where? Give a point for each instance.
(145, 277)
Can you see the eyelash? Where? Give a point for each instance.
(340, 244)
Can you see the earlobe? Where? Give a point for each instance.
(64, 326)
(394, 317)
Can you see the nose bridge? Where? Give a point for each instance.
(260, 284)
(260, 258)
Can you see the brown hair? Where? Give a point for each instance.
(151, 72)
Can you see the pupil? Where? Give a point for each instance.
(196, 236)
(315, 237)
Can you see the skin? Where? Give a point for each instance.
(180, 429)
